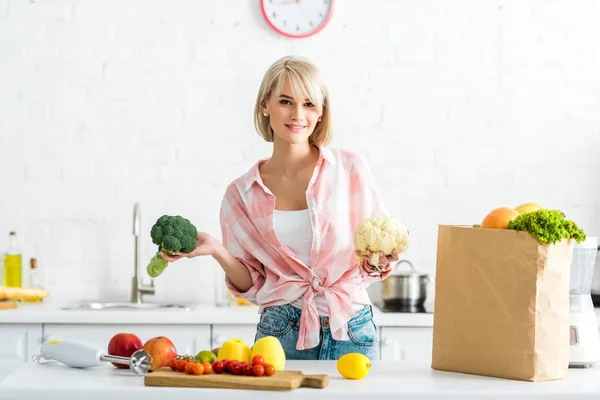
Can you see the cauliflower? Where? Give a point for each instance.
(380, 234)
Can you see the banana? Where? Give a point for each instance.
(17, 293)
(527, 207)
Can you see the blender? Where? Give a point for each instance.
(584, 336)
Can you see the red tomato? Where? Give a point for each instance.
(248, 370)
(269, 369)
(173, 364)
(258, 360)
(229, 364)
(259, 370)
(218, 367)
(236, 369)
(181, 365)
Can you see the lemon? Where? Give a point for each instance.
(353, 366)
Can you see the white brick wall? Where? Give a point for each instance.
(459, 106)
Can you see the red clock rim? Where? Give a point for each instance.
(319, 29)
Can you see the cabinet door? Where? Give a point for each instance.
(19, 343)
(406, 344)
(221, 333)
(188, 339)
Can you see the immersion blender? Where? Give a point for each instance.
(79, 354)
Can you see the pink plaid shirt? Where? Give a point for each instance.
(340, 194)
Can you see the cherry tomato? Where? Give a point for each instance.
(258, 360)
(197, 368)
(189, 366)
(181, 365)
(218, 367)
(236, 369)
(248, 370)
(173, 364)
(259, 370)
(229, 364)
(207, 367)
(269, 369)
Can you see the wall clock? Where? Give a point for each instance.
(297, 18)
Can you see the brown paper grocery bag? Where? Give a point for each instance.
(501, 304)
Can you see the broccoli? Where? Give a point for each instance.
(548, 226)
(172, 234)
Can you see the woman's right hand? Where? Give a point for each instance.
(206, 245)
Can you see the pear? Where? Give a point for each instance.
(206, 356)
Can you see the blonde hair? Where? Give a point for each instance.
(306, 82)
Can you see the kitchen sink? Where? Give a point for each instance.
(127, 306)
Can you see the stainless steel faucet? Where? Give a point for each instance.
(138, 289)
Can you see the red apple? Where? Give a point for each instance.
(124, 345)
(162, 351)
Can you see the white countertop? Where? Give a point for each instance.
(387, 380)
(27, 313)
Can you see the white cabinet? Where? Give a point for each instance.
(188, 339)
(221, 333)
(411, 344)
(19, 343)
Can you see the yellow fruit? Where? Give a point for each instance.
(527, 207)
(353, 366)
(206, 356)
(270, 348)
(234, 349)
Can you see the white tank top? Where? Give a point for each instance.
(293, 229)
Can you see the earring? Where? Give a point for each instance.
(319, 119)
(266, 115)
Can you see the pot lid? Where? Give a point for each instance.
(412, 271)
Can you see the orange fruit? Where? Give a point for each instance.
(499, 218)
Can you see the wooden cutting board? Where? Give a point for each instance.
(281, 380)
(7, 304)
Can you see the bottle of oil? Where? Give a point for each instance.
(35, 279)
(12, 262)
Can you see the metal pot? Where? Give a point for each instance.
(405, 289)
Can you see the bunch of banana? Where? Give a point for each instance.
(18, 293)
(527, 207)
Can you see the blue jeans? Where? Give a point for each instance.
(283, 323)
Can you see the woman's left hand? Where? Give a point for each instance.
(383, 267)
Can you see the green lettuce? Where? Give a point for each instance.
(548, 226)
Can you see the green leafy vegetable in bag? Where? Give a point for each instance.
(548, 226)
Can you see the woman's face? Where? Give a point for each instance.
(292, 119)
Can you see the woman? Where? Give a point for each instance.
(287, 225)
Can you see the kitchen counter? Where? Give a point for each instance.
(28, 313)
(387, 380)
